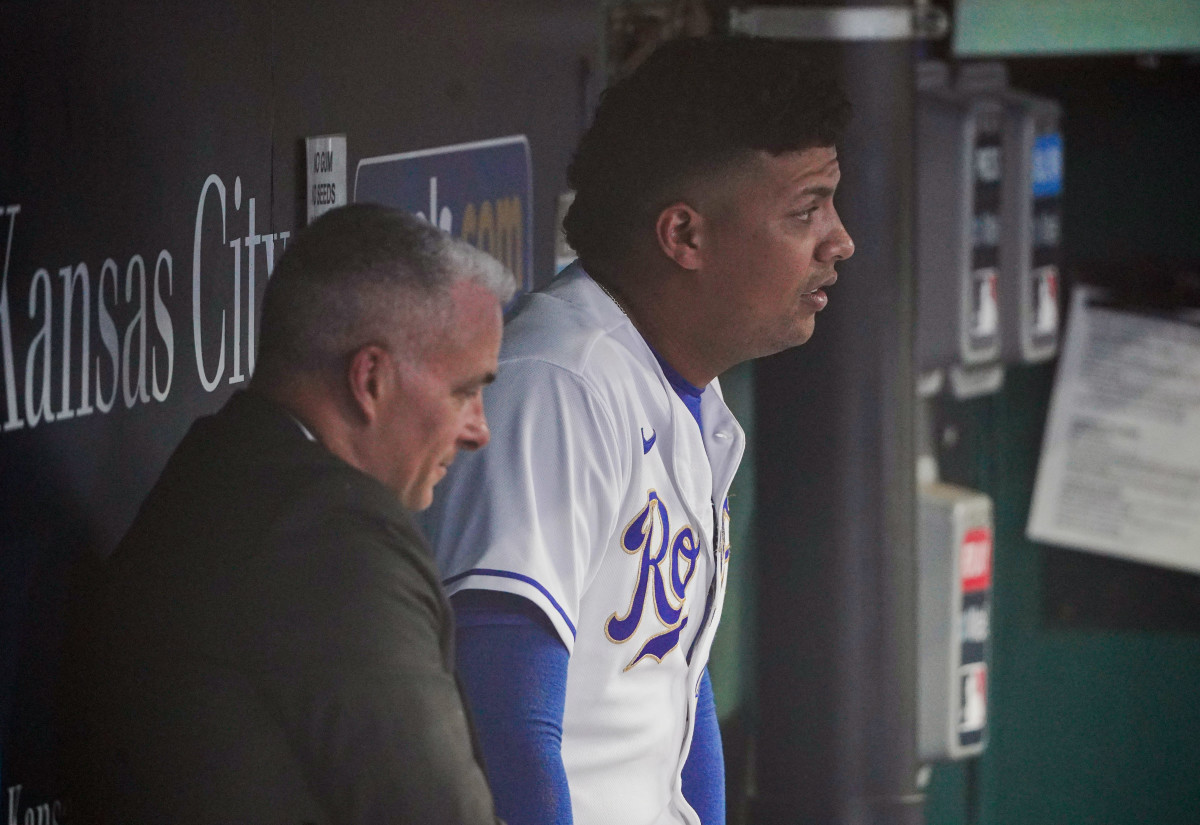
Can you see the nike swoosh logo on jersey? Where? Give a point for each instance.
(647, 443)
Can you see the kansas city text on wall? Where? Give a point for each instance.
(102, 337)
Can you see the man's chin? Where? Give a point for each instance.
(417, 500)
(797, 335)
(805, 335)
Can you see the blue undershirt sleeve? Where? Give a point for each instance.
(513, 668)
(704, 770)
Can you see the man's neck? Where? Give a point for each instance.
(312, 408)
(659, 309)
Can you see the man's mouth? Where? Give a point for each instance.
(817, 298)
(829, 280)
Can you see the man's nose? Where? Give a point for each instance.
(838, 246)
(475, 434)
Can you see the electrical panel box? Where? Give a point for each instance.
(1030, 214)
(954, 623)
(960, 176)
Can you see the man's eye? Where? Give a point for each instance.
(805, 215)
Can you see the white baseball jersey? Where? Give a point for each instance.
(600, 500)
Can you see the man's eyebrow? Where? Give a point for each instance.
(472, 384)
(482, 380)
(817, 191)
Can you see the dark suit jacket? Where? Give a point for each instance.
(271, 644)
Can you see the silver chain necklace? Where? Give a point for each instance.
(612, 297)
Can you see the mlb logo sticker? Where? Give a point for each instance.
(975, 560)
(972, 708)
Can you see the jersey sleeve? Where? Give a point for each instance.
(530, 513)
(513, 669)
(704, 771)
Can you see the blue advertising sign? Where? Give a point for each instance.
(480, 192)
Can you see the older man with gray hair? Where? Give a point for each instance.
(271, 643)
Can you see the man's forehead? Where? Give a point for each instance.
(762, 173)
(789, 171)
(816, 166)
(470, 330)
(449, 320)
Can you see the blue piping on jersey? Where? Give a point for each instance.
(505, 574)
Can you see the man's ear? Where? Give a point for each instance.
(679, 231)
(368, 376)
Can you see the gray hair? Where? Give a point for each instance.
(364, 274)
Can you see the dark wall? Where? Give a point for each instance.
(113, 115)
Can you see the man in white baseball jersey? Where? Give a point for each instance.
(587, 548)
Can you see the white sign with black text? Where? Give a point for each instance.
(1120, 463)
(326, 173)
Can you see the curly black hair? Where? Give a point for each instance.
(695, 106)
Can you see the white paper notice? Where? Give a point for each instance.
(326, 174)
(1120, 465)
